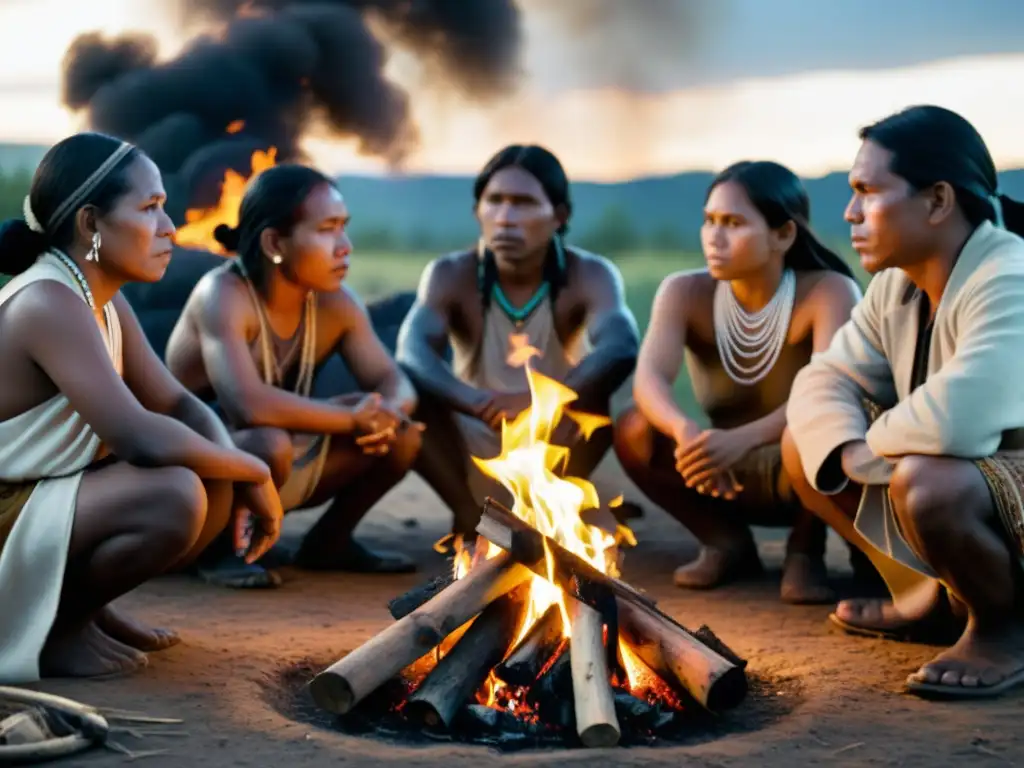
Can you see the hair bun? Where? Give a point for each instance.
(20, 246)
(227, 236)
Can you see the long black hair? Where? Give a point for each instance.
(931, 144)
(548, 171)
(272, 200)
(65, 167)
(779, 195)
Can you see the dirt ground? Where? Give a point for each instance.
(832, 699)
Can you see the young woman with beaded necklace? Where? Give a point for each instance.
(110, 472)
(770, 297)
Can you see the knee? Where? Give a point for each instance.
(404, 451)
(633, 439)
(792, 465)
(274, 446)
(182, 502)
(934, 496)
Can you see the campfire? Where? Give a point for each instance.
(532, 631)
(197, 232)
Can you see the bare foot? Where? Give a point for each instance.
(127, 630)
(88, 652)
(979, 664)
(805, 580)
(715, 566)
(934, 624)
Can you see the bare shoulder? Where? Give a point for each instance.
(342, 302)
(37, 305)
(452, 268)
(591, 267)
(684, 286)
(220, 294)
(827, 286)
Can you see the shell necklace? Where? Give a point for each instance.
(79, 277)
(749, 343)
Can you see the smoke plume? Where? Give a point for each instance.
(273, 69)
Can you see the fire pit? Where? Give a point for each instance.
(532, 634)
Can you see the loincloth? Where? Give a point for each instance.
(1004, 476)
(13, 497)
(309, 455)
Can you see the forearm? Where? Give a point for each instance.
(767, 430)
(280, 409)
(655, 399)
(397, 390)
(195, 414)
(430, 373)
(164, 441)
(603, 371)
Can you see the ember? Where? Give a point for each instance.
(533, 632)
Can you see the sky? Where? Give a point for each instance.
(623, 88)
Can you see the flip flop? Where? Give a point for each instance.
(940, 691)
(939, 628)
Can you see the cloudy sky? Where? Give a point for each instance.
(627, 87)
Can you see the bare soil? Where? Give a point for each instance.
(820, 698)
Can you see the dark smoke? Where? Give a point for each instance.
(281, 67)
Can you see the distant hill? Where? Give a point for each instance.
(435, 212)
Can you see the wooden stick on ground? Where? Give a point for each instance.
(466, 666)
(346, 682)
(404, 604)
(596, 722)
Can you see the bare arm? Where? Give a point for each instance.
(831, 300)
(611, 329)
(158, 391)
(661, 357)
(369, 360)
(241, 391)
(59, 334)
(422, 340)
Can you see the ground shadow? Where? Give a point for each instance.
(769, 701)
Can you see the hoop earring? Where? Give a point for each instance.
(94, 252)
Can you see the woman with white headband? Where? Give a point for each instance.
(110, 472)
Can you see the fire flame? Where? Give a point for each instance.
(528, 467)
(201, 222)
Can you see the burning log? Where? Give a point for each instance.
(459, 674)
(403, 605)
(524, 665)
(596, 722)
(666, 646)
(346, 682)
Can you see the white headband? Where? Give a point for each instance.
(76, 198)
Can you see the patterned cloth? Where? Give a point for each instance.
(1004, 475)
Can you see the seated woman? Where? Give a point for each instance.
(110, 472)
(771, 296)
(252, 336)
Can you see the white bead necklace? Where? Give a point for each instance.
(749, 343)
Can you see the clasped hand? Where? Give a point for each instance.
(378, 424)
(705, 460)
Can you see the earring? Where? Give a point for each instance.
(276, 258)
(94, 252)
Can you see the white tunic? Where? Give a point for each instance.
(53, 444)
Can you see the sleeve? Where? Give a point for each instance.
(963, 409)
(826, 404)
